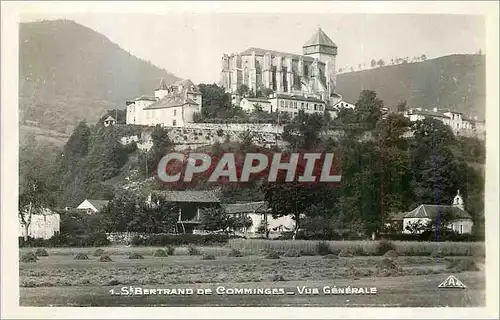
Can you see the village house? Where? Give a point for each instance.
(173, 105)
(109, 121)
(41, 226)
(260, 215)
(191, 205)
(460, 124)
(250, 104)
(92, 206)
(459, 220)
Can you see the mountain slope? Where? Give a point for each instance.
(69, 72)
(457, 82)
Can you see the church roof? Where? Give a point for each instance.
(320, 38)
(432, 211)
(170, 101)
(262, 52)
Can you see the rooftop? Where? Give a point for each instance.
(262, 52)
(98, 204)
(170, 102)
(199, 196)
(320, 38)
(431, 211)
(298, 97)
(249, 207)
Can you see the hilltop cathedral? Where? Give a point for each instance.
(311, 74)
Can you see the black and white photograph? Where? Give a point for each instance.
(237, 158)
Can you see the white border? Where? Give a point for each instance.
(9, 166)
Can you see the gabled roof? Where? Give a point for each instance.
(170, 101)
(261, 52)
(146, 98)
(257, 100)
(298, 97)
(98, 204)
(429, 113)
(249, 207)
(199, 196)
(432, 211)
(320, 38)
(110, 118)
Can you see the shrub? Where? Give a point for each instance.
(28, 257)
(272, 255)
(136, 255)
(346, 253)
(170, 250)
(41, 252)
(98, 252)
(81, 256)
(387, 263)
(136, 241)
(323, 248)
(181, 239)
(235, 253)
(105, 258)
(391, 254)
(459, 265)
(277, 277)
(383, 246)
(193, 251)
(208, 256)
(160, 253)
(292, 253)
(330, 256)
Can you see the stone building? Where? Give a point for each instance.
(312, 72)
(172, 105)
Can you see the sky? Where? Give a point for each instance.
(191, 45)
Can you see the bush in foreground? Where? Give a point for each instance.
(170, 250)
(292, 253)
(105, 258)
(208, 256)
(28, 257)
(391, 254)
(460, 265)
(136, 255)
(384, 246)
(323, 248)
(81, 256)
(98, 252)
(41, 252)
(272, 255)
(160, 253)
(193, 251)
(235, 253)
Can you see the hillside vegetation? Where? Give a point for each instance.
(457, 82)
(69, 73)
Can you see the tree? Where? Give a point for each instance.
(215, 219)
(381, 63)
(402, 106)
(303, 132)
(423, 57)
(373, 63)
(243, 90)
(214, 100)
(266, 92)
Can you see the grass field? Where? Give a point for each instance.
(59, 280)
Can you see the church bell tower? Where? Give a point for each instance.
(322, 48)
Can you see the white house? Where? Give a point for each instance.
(461, 221)
(92, 205)
(249, 104)
(41, 226)
(109, 121)
(171, 106)
(341, 104)
(259, 213)
(457, 121)
(292, 103)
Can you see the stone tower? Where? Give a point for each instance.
(458, 201)
(321, 47)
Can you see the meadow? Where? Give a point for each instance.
(408, 275)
